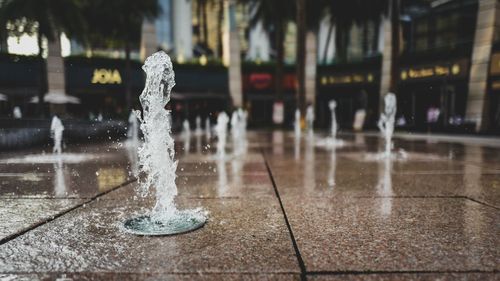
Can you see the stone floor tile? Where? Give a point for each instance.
(241, 236)
(17, 215)
(395, 234)
(109, 165)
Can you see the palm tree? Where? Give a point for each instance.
(47, 19)
(274, 15)
(117, 23)
(344, 13)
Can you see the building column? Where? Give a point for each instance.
(477, 98)
(55, 75)
(385, 73)
(182, 29)
(235, 87)
(149, 42)
(310, 67)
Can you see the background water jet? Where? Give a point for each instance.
(56, 132)
(386, 122)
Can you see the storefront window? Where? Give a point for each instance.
(445, 29)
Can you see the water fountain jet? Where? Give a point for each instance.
(296, 124)
(386, 122)
(156, 157)
(56, 132)
(197, 130)
(221, 131)
(208, 128)
(310, 121)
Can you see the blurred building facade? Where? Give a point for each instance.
(449, 67)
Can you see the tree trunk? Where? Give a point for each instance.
(341, 43)
(41, 78)
(327, 43)
(199, 14)
(205, 25)
(395, 46)
(365, 38)
(127, 84)
(220, 19)
(301, 52)
(280, 57)
(235, 88)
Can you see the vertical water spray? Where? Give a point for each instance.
(198, 130)
(238, 131)
(386, 122)
(16, 113)
(334, 127)
(297, 132)
(221, 131)
(296, 124)
(243, 114)
(186, 129)
(133, 129)
(132, 144)
(56, 132)
(208, 128)
(310, 121)
(235, 130)
(156, 156)
(186, 134)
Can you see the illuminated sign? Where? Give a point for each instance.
(495, 85)
(495, 64)
(434, 71)
(260, 81)
(110, 177)
(346, 79)
(106, 76)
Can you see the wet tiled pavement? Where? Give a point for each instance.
(284, 210)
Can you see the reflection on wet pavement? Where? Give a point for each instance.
(435, 213)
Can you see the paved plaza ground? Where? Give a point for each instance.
(283, 210)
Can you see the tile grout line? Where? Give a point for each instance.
(433, 197)
(292, 236)
(481, 202)
(51, 218)
(370, 272)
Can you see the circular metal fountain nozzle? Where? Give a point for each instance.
(181, 222)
